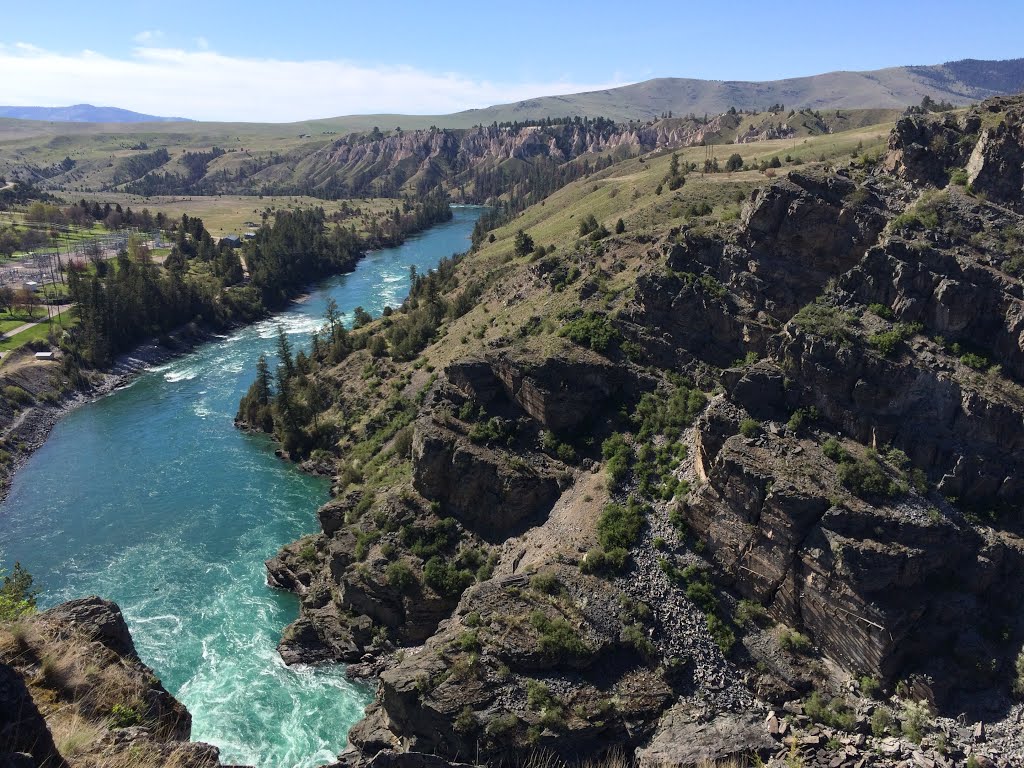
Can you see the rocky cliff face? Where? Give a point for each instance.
(73, 692)
(757, 485)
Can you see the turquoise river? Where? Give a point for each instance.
(151, 498)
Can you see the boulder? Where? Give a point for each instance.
(690, 735)
(98, 619)
(484, 488)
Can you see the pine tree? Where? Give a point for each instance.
(333, 316)
(284, 353)
(263, 384)
(523, 243)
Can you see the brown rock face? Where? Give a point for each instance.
(559, 392)
(421, 697)
(98, 619)
(868, 581)
(969, 440)
(953, 295)
(724, 298)
(923, 149)
(687, 736)
(479, 486)
(996, 166)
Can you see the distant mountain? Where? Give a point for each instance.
(958, 82)
(85, 113)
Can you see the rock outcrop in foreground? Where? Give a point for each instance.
(73, 692)
(731, 490)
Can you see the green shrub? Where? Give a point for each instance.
(634, 635)
(552, 718)
(466, 721)
(124, 716)
(887, 342)
(750, 427)
(1018, 680)
(658, 414)
(1015, 265)
(557, 638)
(547, 583)
(494, 430)
(537, 695)
(792, 640)
(400, 576)
(750, 612)
(618, 458)
(677, 519)
(881, 310)
(445, 578)
(711, 286)
(523, 243)
(365, 540)
(425, 541)
(919, 218)
(881, 722)
(834, 450)
(17, 595)
(916, 720)
(601, 561)
(592, 329)
(835, 714)
(618, 530)
(502, 726)
(975, 361)
(866, 478)
(17, 395)
(722, 633)
(620, 525)
(869, 686)
(552, 446)
(826, 321)
(958, 176)
(702, 594)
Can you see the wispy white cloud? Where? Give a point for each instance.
(148, 36)
(206, 85)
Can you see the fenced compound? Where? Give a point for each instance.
(46, 265)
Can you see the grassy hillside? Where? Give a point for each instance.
(629, 190)
(893, 88)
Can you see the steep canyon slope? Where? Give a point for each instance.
(695, 465)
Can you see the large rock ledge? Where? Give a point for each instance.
(67, 675)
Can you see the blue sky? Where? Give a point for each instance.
(288, 61)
